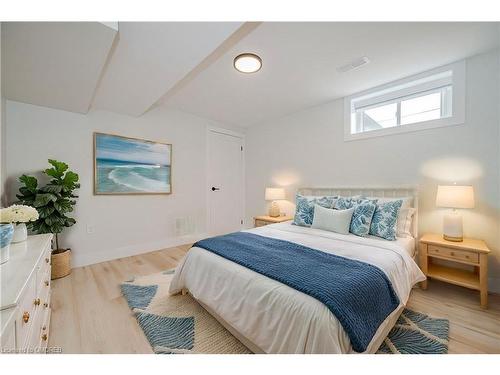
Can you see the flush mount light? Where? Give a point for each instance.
(247, 63)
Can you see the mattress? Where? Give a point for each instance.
(275, 318)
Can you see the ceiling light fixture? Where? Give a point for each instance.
(247, 63)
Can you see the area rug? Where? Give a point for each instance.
(178, 324)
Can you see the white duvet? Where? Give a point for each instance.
(276, 318)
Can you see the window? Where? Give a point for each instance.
(428, 100)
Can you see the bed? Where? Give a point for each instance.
(271, 317)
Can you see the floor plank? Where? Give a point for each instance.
(89, 315)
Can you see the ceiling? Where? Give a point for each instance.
(54, 64)
(150, 58)
(300, 62)
(189, 66)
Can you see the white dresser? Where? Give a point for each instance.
(25, 296)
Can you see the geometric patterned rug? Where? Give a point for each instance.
(179, 324)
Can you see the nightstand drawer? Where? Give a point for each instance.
(446, 252)
(261, 223)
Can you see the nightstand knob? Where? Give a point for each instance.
(26, 317)
(452, 253)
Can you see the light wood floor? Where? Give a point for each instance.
(90, 316)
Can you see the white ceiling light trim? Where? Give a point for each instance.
(247, 63)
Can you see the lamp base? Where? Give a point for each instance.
(453, 227)
(453, 239)
(274, 210)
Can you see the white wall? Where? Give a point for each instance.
(122, 225)
(307, 149)
(2, 127)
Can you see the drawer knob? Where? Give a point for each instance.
(26, 317)
(47, 260)
(44, 328)
(46, 283)
(45, 304)
(452, 253)
(44, 337)
(37, 302)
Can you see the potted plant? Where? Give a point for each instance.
(53, 202)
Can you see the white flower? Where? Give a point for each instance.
(18, 214)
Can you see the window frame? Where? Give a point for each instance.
(403, 88)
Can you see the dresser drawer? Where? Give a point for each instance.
(43, 267)
(460, 255)
(26, 313)
(44, 331)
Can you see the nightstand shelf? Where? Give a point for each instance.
(467, 279)
(470, 252)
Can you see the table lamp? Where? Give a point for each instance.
(454, 196)
(274, 194)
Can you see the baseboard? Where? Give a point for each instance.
(80, 260)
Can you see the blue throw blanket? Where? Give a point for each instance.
(358, 294)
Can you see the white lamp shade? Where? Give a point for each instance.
(455, 196)
(274, 194)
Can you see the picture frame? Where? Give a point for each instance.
(131, 166)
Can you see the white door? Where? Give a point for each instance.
(225, 183)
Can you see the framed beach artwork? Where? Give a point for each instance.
(124, 165)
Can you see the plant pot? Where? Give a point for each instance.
(61, 263)
(6, 232)
(20, 233)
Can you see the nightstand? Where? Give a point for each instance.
(260, 221)
(469, 252)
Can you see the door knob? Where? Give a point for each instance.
(214, 188)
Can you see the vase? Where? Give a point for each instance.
(6, 232)
(20, 233)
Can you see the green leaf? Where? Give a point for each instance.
(25, 192)
(55, 219)
(44, 199)
(70, 178)
(45, 211)
(56, 228)
(30, 182)
(57, 170)
(69, 222)
(51, 188)
(63, 206)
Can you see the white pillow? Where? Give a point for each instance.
(405, 215)
(405, 218)
(331, 220)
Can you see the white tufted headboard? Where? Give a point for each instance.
(379, 191)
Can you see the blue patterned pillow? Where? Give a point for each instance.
(362, 216)
(304, 211)
(385, 219)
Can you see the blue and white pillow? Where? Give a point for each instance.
(362, 216)
(304, 211)
(385, 219)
